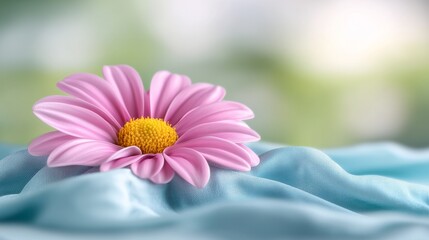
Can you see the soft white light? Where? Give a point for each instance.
(358, 36)
(187, 29)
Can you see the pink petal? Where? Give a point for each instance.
(46, 143)
(82, 152)
(128, 84)
(192, 97)
(233, 131)
(95, 90)
(121, 158)
(189, 164)
(148, 166)
(164, 87)
(74, 120)
(146, 103)
(164, 176)
(214, 112)
(80, 103)
(125, 152)
(221, 152)
(119, 163)
(254, 158)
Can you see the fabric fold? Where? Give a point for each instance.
(372, 191)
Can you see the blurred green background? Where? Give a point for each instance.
(316, 73)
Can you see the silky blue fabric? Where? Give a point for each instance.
(373, 191)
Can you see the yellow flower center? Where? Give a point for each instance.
(151, 135)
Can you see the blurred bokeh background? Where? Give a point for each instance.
(317, 73)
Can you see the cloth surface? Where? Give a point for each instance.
(372, 191)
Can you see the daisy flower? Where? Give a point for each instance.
(175, 127)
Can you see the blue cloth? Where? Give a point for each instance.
(376, 191)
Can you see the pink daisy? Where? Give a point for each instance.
(176, 127)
